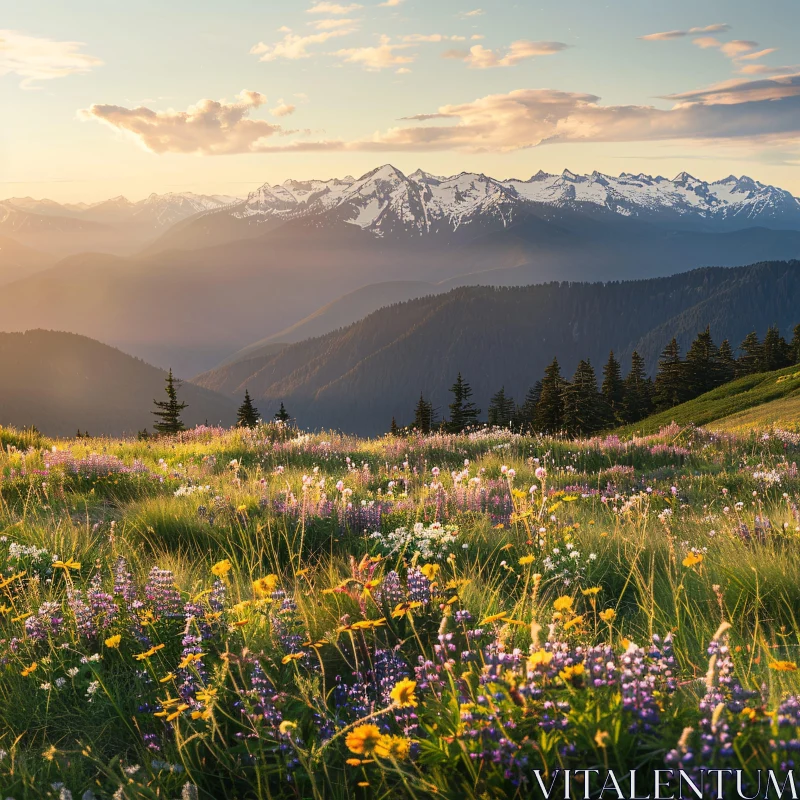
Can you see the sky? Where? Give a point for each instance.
(106, 97)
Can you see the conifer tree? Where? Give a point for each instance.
(423, 415)
(525, 415)
(583, 404)
(752, 355)
(794, 345)
(727, 362)
(282, 414)
(613, 388)
(393, 429)
(549, 416)
(463, 412)
(702, 365)
(670, 387)
(501, 409)
(638, 400)
(777, 353)
(247, 415)
(169, 410)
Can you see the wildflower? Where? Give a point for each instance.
(148, 653)
(563, 603)
(205, 714)
(286, 726)
(573, 622)
(69, 564)
(569, 673)
(608, 615)
(430, 571)
(292, 657)
(263, 587)
(396, 747)
(692, 559)
(113, 641)
(541, 658)
(783, 666)
(525, 560)
(601, 738)
(363, 739)
(188, 659)
(221, 568)
(403, 694)
(494, 618)
(28, 670)
(401, 609)
(591, 591)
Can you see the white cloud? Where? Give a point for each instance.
(37, 59)
(375, 58)
(334, 24)
(332, 8)
(476, 12)
(430, 37)
(293, 46)
(283, 109)
(390, 4)
(480, 57)
(719, 27)
(209, 127)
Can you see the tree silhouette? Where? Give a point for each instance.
(169, 410)
(247, 414)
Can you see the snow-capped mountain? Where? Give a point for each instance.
(386, 202)
(158, 211)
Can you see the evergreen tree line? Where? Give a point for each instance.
(168, 412)
(577, 406)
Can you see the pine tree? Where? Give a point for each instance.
(393, 429)
(282, 415)
(752, 355)
(583, 404)
(525, 415)
(501, 409)
(549, 416)
(463, 412)
(670, 387)
(613, 388)
(638, 399)
(777, 353)
(423, 415)
(702, 365)
(727, 362)
(247, 415)
(169, 411)
(794, 345)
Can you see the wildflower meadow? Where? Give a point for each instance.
(262, 613)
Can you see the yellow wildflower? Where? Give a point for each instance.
(363, 739)
(188, 659)
(70, 563)
(263, 587)
(493, 618)
(205, 714)
(28, 670)
(395, 747)
(403, 694)
(525, 560)
(430, 571)
(541, 658)
(573, 622)
(783, 666)
(591, 591)
(113, 641)
(563, 603)
(608, 615)
(291, 657)
(568, 673)
(221, 568)
(692, 559)
(151, 652)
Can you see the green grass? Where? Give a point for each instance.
(772, 397)
(677, 532)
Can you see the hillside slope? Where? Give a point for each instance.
(360, 376)
(19, 261)
(60, 382)
(753, 402)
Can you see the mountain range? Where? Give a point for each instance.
(60, 382)
(305, 257)
(358, 377)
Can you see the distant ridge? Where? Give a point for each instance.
(60, 382)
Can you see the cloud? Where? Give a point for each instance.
(293, 46)
(476, 12)
(735, 49)
(333, 8)
(283, 109)
(663, 36)
(759, 54)
(37, 59)
(390, 4)
(431, 37)
(480, 57)
(376, 58)
(334, 24)
(210, 127)
(759, 110)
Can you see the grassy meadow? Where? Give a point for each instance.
(259, 613)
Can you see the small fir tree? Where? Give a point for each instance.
(727, 362)
(247, 415)
(549, 417)
(752, 355)
(393, 429)
(670, 386)
(613, 388)
(638, 399)
(777, 353)
(463, 412)
(525, 415)
(583, 404)
(501, 409)
(423, 415)
(169, 410)
(794, 345)
(282, 414)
